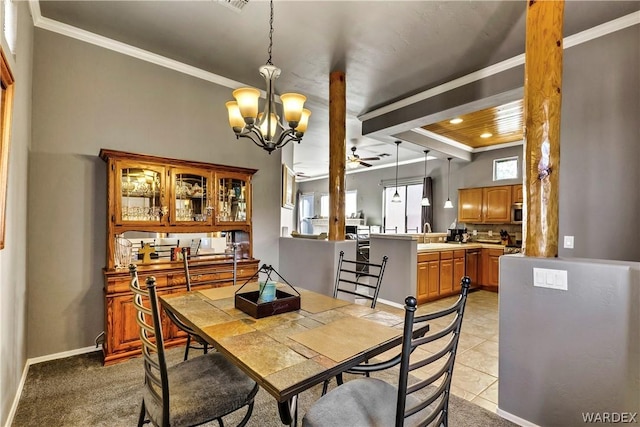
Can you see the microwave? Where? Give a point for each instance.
(516, 213)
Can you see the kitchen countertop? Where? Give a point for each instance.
(438, 247)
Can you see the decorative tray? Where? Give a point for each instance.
(256, 303)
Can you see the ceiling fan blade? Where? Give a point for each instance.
(370, 158)
(365, 164)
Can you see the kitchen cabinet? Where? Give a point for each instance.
(485, 205)
(516, 194)
(428, 277)
(470, 205)
(459, 269)
(439, 274)
(446, 272)
(496, 204)
(152, 199)
(491, 268)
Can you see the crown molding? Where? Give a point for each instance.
(67, 30)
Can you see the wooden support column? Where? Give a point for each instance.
(337, 153)
(542, 102)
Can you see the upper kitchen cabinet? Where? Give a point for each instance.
(496, 204)
(516, 194)
(233, 198)
(486, 205)
(470, 205)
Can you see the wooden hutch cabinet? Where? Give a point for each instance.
(155, 206)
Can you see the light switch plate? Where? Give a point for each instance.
(568, 242)
(549, 278)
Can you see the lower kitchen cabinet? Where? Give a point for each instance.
(446, 272)
(440, 273)
(459, 269)
(428, 277)
(491, 268)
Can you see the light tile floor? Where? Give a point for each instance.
(475, 375)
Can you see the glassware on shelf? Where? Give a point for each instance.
(140, 194)
(122, 253)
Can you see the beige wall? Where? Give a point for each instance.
(13, 257)
(87, 98)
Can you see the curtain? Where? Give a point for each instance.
(427, 211)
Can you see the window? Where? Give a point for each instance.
(506, 168)
(350, 204)
(403, 217)
(10, 24)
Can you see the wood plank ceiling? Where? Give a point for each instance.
(503, 122)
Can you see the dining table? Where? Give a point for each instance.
(290, 352)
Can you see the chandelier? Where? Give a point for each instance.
(265, 128)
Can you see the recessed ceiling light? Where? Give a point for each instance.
(455, 121)
(486, 135)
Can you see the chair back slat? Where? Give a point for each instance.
(150, 325)
(350, 275)
(412, 340)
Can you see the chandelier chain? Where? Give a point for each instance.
(270, 35)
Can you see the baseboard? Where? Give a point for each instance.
(35, 360)
(62, 355)
(391, 303)
(16, 399)
(515, 419)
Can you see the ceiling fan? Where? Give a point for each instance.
(353, 160)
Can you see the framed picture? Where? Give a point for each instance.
(6, 107)
(288, 190)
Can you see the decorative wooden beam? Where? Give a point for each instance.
(337, 153)
(542, 102)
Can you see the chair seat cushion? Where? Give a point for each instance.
(202, 389)
(362, 402)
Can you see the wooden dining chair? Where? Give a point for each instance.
(193, 392)
(373, 402)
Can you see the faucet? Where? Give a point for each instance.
(426, 228)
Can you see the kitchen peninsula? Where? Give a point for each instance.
(432, 271)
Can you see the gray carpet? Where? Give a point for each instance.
(79, 391)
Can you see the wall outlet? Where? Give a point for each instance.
(490, 233)
(548, 278)
(568, 242)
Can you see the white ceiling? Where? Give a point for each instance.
(389, 50)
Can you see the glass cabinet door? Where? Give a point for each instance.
(140, 193)
(191, 198)
(233, 199)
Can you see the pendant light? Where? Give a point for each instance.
(448, 204)
(396, 197)
(266, 129)
(425, 199)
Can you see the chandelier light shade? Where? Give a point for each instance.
(265, 128)
(425, 199)
(448, 204)
(396, 196)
